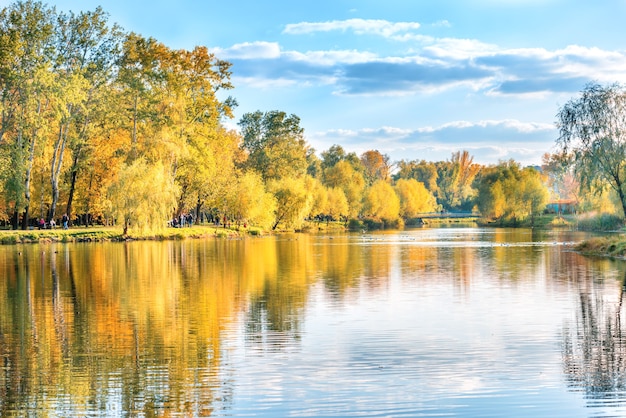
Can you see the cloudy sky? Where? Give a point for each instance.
(413, 79)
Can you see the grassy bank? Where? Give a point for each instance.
(614, 246)
(98, 234)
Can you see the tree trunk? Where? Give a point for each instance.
(29, 170)
(74, 175)
(57, 163)
(620, 192)
(198, 208)
(15, 220)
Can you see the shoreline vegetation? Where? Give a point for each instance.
(608, 246)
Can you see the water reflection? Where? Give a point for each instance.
(305, 324)
(594, 350)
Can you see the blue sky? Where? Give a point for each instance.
(413, 79)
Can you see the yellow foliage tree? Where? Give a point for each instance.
(337, 203)
(293, 200)
(319, 204)
(143, 196)
(344, 176)
(249, 201)
(381, 201)
(414, 198)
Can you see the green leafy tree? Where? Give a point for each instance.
(593, 128)
(510, 194)
(275, 144)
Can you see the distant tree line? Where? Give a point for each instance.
(108, 126)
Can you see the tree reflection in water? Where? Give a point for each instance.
(594, 354)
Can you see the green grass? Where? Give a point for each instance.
(115, 234)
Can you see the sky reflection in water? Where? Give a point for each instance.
(453, 322)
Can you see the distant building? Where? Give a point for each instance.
(562, 206)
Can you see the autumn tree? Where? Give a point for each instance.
(381, 201)
(560, 176)
(342, 175)
(88, 51)
(319, 192)
(593, 128)
(199, 150)
(454, 181)
(140, 82)
(249, 201)
(414, 198)
(424, 172)
(508, 193)
(376, 166)
(293, 201)
(337, 203)
(27, 88)
(143, 196)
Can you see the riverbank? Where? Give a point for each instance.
(610, 246)
(99, 234)
(103, 234)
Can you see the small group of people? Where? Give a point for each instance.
(185, 219)
(42, 224)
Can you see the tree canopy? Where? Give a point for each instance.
(117, 127)
(592, 128)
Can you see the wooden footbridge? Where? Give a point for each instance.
(444, 216)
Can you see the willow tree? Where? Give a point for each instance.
(593, 128)
(293, 200)
(251, 202)
(143, 196)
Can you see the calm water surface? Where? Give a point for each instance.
(463, 322)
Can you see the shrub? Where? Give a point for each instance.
(602, 222)
(355, 225)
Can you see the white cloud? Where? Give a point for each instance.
(330, 58)
(249, 50)
(377, 27)
(431, 66)
(487, 140)
(458, 49)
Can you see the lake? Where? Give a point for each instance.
(454, 322)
